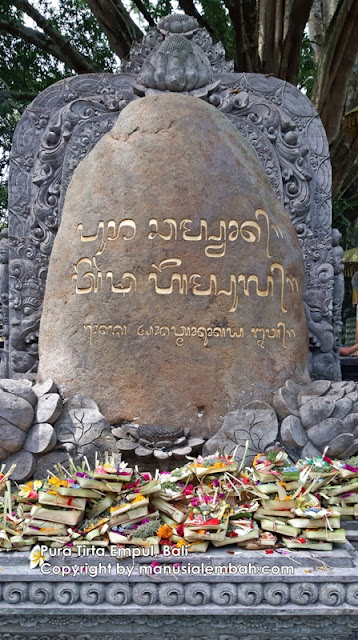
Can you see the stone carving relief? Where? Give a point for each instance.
(42, 167)
(318, 417)
(195, 594)
(4, 302)
(66, 120)
(39, 430)
(144, 627)
(177, 63)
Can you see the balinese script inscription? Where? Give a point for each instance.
(112, 232)
(280, 332)
(117, 330)
(205, 333)
(248, 230)
(90, 278)
(193, 283)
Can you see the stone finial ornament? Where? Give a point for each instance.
(178, 23)
(177, 64)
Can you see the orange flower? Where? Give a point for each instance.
(256, 459)
(181, 543)
(165, 531)
(138, 498)
(57, 482)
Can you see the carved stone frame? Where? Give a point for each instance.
(64, 123)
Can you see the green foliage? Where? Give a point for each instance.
(218, 19)
(25, 68)
(345, 209)
(3, 204)
(87, 36)
(162, 8)
(307, 67)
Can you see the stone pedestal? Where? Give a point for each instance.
(299, 595)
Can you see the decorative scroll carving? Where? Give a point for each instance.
(171, 594)
(323, 296)
(66, 120)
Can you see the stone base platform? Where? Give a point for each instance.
(212, 596)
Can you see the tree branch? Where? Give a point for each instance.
(336, 61)
(144, 11)
(31, 36)
(19, 96)
(117, 24)
(69, 54)
(190, 9)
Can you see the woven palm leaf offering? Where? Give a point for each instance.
(106, 476)
(210, 499)
(239, 531)
(274, 465)
(208, 517)
(11, 536)
(144, 534)
(216, 463)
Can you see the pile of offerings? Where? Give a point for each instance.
(210, 499)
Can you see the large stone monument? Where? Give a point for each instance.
(65, 122)
(176, 292)
(175, 284)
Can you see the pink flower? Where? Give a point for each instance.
(195, 502)
(216, 483)
(153, 566)
(188, 490)
(207, 499)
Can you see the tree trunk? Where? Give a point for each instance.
(243, 16)
(344, 154)
(335, 64)
(296, 19)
